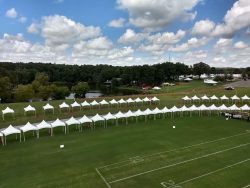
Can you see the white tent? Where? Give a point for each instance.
(205, 98)
(155, 99)
(94, 103)
(58, 123)
(213, 107)
(7, 111)
(214, 97)
(235, 97)
(234, 107)
(48, 107)
(129, 114)
(120, 115)
(72, 121)
(193, 108)
(148, 112)
(122, 101)
(139, 113)
(75, 105)
(223, 107)
(156, 88)
(224, 97)
(203, 107)
(113, 101)
(174, 109)
(137, 100)
(85, 119)
(29, 108)
(156, 111)
(42, 125)
(195, 98)
(188, 79)
(146, 99)
(85, 103)
(186, 98)
(245, 108)
(165, 110)
(183, 108)
(28, 127)
(245, 97)
(104, 102)
(63, 105)
(130, 100)
(10, 130)
(96, 118)
(109, 116)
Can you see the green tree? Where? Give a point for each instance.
(45, 92)
(201, 68)
(59, 92)
(5, 89)
(80, 89)
(24, 93)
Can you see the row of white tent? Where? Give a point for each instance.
(104, 118)
(214, 97)
(75, 104)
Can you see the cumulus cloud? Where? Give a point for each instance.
(240, 45)
(11, 13)
(190, 44)
(34, 28)
(203, 27)
(130, 36)
(223, 43)
(235, 19)
(153, 15)
(117, 23)
(22, 19)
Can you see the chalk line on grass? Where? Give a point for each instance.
(102, 177)
(179, 163)
(212, 172)
(128, 162)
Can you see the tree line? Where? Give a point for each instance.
(55, 80)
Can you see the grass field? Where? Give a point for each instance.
(199, 152)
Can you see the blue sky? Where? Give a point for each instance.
(125, 32)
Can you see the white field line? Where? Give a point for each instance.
(212, 172)
(168, 151)
(179, 163)
(247, 186)
(99, 173)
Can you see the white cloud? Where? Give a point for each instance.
(223, 43)
(117, 23)
(167, 37)
(61, 32)
(11, 13)
(153, 15)
(235, 19)
(131, 37)
(34, 28)
(190, 44)
(240, 45)
(22, 19)
(203, 27)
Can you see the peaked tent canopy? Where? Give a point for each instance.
(11, 130)
(245, 108)
(75, 104)
(58, 123)
(29, 108)
(119, 115)
(28, 127)
(223, 107)
(130, 100)
(85, 103)
(96, 118)
(109, 116)
(72, 121)
(213, 107)
(104, 102)
(155, 99)
(64, 105)
(234, 107)
(139, 113)
(43, 125)
(122, 101)
(183, 108)
(48, 107)
(214, 97)
(224, 97)
(146, 99)
(186, 98)
(94, 103)
(137, 100)
(245, 97)
(129, 114)
(85, 119)
(113, 101)
(235, 97)
(194, 98)
(205, 97)
(8, 110)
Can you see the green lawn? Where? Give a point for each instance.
(142, 154)
(200, 152)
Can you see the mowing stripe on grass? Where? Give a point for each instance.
(212, 172)
(186, 147)
(99, 173)
(182, 162)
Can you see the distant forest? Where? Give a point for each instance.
(24, 73)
